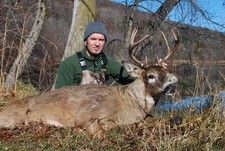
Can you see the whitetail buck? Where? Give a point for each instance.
(97, 108)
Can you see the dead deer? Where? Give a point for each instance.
(98, 108)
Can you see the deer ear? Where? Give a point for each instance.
(133, 70)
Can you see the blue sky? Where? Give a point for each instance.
(214, 7)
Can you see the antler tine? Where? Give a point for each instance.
(177, 42)
(135, 44)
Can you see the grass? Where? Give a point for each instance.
(195, 131)
(20, 91)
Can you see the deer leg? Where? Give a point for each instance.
(94, 128)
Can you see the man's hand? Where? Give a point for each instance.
(162, 63)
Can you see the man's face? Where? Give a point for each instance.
(95, 43)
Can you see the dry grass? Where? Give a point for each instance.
(20, 91)
(175, 130)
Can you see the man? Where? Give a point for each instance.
(91, 58)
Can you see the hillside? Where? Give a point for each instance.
(195, 66)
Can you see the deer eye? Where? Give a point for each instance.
(151, 79)
(151, 76)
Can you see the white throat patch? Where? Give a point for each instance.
(150, 100)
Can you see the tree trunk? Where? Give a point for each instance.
(130, 23)
(161, 14)
(28, 46)
(154, 23)
(83, 12)
(158, 17)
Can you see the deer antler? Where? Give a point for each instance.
(135, 44)
(171, 50)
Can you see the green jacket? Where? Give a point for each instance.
(70, 71)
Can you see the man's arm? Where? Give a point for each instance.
(118, 72)
(64, 77)
(68, 73)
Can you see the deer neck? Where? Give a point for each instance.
(136, 91)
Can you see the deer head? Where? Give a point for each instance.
(154, 78)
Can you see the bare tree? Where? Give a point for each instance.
(28, 46)
(183, 10)
(129, 21)
(154, 22)
(156, 18)
(161, 14)
(72, 36)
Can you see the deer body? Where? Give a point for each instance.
(94, 108)
(76, 108)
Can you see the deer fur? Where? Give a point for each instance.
(89, 77)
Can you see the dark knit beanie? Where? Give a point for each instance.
(95, 27)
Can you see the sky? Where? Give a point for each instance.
(215, 7)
